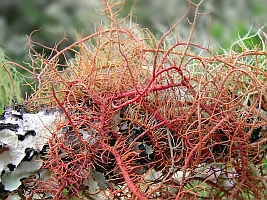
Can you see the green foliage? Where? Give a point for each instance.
(9, 83)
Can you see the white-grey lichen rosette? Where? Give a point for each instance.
(23, 138)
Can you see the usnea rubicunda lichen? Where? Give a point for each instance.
(153, 119)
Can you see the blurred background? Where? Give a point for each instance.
(219, 24)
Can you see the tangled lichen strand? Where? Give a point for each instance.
(190, 121)
(109, 63)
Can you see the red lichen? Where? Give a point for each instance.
(188, 107)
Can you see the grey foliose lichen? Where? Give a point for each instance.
(23, 138)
